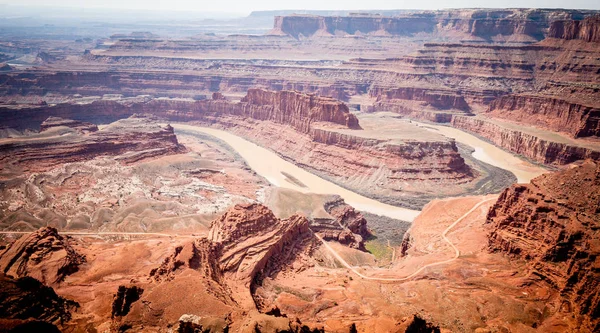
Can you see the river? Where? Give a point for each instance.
(488, 153)
(278, 171)
(273, 168)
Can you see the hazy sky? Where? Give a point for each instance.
(239, 6)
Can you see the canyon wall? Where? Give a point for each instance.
(552, 223)
(311, 131)
(527, 145)
(299, 110)
(439, 99)
(548, 112)
(587, 29)
(531, 24)
(58, 144)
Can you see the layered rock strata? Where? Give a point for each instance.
(587, 29)
(44, 255)
(553, 224)
(243, 245)
(58, 143)
(548, 112)
(524, 24)
(250, 235)
(272, 118)
(348, 225)
(529, 145)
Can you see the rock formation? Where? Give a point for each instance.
(201, 255)
(527, 24)
(550, 113)
(587, 29)
(59, 143)
(192, 324)
(348, 227)
(124, 298)
(25, 298)
(246, 242)
(529, 145)
(299, 110)
(44, 255)
(250, 236)
(553, 224)
(80, 127)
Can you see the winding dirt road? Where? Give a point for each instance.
(405, 278)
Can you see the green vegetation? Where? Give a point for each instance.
(378, 248)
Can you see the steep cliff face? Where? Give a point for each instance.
(243, 245)
(436, 98)
(548, 112)
(553, 224)
(44, 255)
(251, 236)
(80, 127)
(292, 108)
(299, 110)
(306, 26)
(530, 146)
(531, 24)
(587, 29)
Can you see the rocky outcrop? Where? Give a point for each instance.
(438, 99)
(299, 110)
(587, 29)
(245, 244)
(79, 126)
(348, 226)
(44, 255)
(189, 323)
(548, 112)
(250, 235)
(528, 145)
(200, 255)
(124, 298)
(133, 138)
(26, 298)
(552, 223)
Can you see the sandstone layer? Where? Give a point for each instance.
(552, 223)
(587, 30)
(44, 255)
(535, 146)
(63, 141)
(548, 112)
(531, 24)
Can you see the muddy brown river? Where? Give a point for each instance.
(279, 171)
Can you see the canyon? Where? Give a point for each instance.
(301, 171)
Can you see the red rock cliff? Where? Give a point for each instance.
(483, 23)
(298, 109)
(530, 146)
(587, 29)
(44, 255)
(553, 223)
(548, 112)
